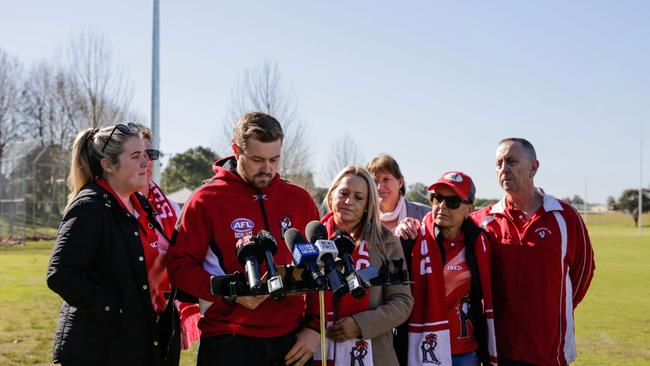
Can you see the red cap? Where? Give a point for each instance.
(460, 182)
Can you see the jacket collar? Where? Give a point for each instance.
(550, 204)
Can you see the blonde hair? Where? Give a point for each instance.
(371, 226)
(87, 153)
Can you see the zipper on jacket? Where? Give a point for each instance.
(260, 198)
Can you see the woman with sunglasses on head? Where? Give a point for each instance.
(452, 319)
(99, 261)
(166, 213)
(360, 328)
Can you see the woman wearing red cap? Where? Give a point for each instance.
(450, 259)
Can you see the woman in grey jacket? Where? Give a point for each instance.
(391, 188)
(360, 330)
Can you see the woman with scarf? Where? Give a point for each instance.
(360, 329)
(452, 323)
(391, 188)
(394, 208)
(100, 266)
(166, 213)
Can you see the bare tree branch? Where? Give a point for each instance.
(344, 152)
(10, 75)
(104, 91)
(261, 89)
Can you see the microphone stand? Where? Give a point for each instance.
(323, 342)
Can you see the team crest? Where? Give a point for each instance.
(285, 223)
(428, 348)
(543, 232)
(242, 227)
(358, 353)
(454, 177)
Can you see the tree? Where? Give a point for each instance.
(10, 74)
(188, 169)
(628, 202)
(48, 105)
(611, 203)
(344, 152)
(104, 92)
(261, 90)
(417, 192)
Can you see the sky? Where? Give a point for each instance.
(435, 84)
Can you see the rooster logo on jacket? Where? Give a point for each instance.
(358, 353)
(428, 348)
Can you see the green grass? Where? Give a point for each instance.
(612, 323)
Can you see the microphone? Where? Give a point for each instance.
(327, 252)
(270, 247)
(345, 245)
(249, 255)
(304, 255)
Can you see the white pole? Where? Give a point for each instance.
(155, 87)
(640, 217)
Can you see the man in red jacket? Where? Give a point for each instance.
(542, 263)
(245, 195)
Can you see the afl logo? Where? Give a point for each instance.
(242, 225)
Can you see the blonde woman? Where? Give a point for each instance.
(360, 330)
(101, 257)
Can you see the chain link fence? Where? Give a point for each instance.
(33, 190)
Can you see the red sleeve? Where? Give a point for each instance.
(582, 264)
(185, 258)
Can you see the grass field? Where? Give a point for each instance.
(612, 323)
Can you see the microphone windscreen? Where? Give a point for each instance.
(246, 247)
(344, 242)
(267, 241)
(315, 230)
(293, 237)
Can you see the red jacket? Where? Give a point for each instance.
(431, 317)
(541, 270)
(215, 217)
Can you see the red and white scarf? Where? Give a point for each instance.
(166, 214)
(428, 335)
(355, 351)
(149, 239)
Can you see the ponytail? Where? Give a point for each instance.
(84, 165)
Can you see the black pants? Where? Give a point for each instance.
(237, 350)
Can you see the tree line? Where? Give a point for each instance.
(82, 86)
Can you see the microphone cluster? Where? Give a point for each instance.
(323, 263)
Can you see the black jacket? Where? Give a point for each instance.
(98, 268)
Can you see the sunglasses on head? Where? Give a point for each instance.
(129, 129)
(153, 154)
(452, 202)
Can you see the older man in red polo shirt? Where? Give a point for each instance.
(543, 263)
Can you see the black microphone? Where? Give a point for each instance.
(345, 244)
(270, 247)
(249, 254)
(327, 252)
(304, 255)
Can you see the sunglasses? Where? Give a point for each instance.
(452, 202)
(153, 154)
(128, 129)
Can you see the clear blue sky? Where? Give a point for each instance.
(435, 84)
